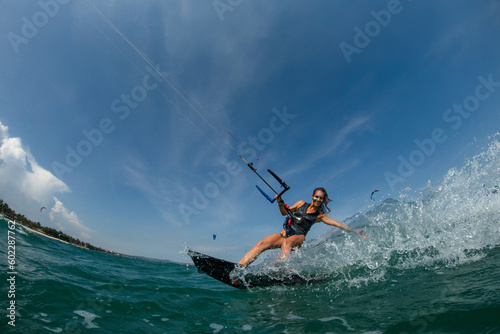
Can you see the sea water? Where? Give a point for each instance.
(431, 265)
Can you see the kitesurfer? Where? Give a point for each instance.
(301, 216)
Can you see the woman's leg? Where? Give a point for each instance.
(293, 241)
(272, 241)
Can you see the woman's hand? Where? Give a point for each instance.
(278, 199)
(362, 234)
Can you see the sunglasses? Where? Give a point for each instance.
(317, 198)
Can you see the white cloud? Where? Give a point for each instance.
(67, 221)
(26, 186)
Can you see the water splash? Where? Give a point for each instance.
(453, 223)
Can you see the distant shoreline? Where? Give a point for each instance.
(45, 235)
(54, 238)
(6, 217)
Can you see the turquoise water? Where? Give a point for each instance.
(431, 265)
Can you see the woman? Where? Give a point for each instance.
(303, 216)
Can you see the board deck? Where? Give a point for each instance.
(221, 270)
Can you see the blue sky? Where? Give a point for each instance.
(349, 96)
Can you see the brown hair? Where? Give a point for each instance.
(324, 206)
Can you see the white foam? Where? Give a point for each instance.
(87, 318)
(342, 320)
(216, 327)
(447, 225)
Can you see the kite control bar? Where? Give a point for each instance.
(283, 184)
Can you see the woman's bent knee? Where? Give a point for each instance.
(295, 241)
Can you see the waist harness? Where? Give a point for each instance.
(300, 222)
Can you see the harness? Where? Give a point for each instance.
(299, 222)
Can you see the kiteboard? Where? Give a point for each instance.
(221, 271)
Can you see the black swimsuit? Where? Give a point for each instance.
(300, 222)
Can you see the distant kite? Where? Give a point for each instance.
(215, 236)
(373, 192)
(42, 208)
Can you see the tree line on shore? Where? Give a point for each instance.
(7, 212)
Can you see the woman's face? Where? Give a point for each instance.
(318, 198)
